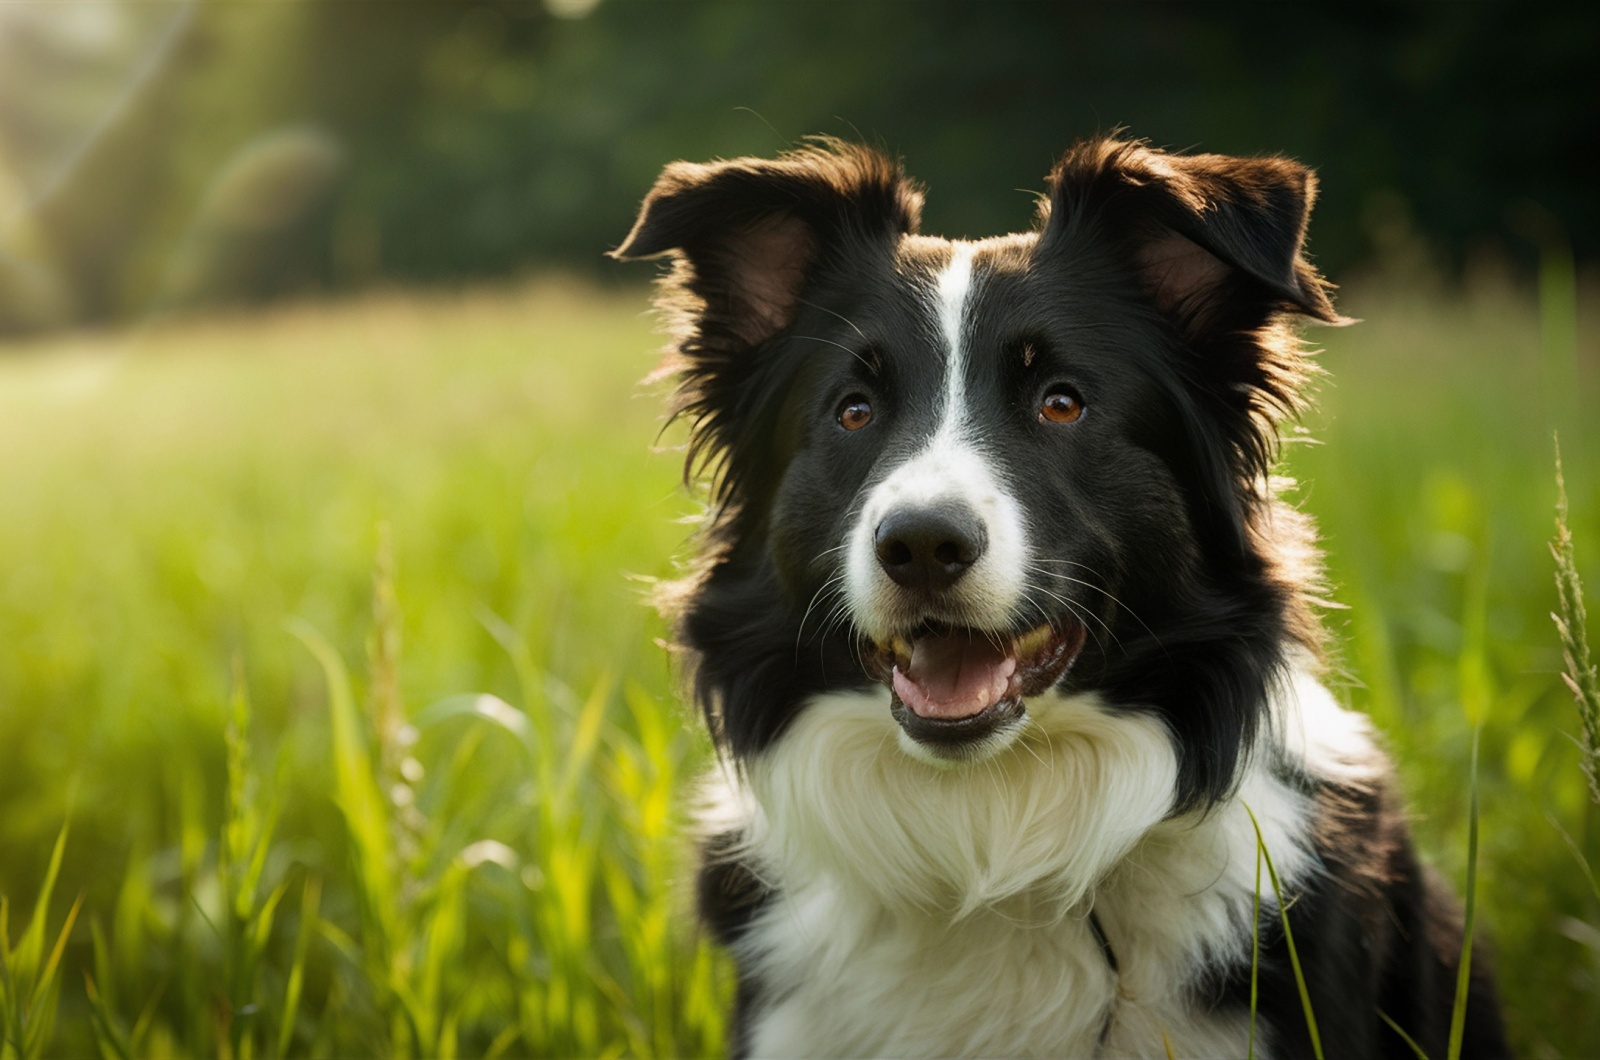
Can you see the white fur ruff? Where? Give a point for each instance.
(920, 911)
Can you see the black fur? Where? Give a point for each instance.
(727, 896)
(1158, 286)
(1376, 933)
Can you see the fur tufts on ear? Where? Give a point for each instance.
(1197, 221)
(748, 231)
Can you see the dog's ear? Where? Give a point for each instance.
(1199, 225)
(747, 232)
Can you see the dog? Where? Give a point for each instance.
(1008, 639)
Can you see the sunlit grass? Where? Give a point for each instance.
(436, 811)
(285, 850)
(1469, 919)
(30, 974)
(1572, 624)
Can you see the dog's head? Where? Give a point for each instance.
(978, 471)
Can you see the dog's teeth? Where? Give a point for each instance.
(902, 651)
(1032, 641)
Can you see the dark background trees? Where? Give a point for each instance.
(160, 155)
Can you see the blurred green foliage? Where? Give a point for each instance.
(157, 155)
(436, 810)
(439, 810)
(288, 835)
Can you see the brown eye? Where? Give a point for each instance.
(855, 413)
(1061, 405)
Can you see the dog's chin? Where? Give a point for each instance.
(960, 694)
(950, 746)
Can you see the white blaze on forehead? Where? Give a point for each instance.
(949, 467)
(953, 291)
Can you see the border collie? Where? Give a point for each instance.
(1006, 638)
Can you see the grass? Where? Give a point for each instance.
(1263, 854)
(291, 838)
(1572, 625)
(433, 811)
(1469, 918)
(30, 979)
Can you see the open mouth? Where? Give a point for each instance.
(953, 686)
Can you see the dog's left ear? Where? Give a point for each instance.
(1198, 224)
(747, 232)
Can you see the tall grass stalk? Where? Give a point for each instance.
(127, 943)
(1458, 1011)
(1411, 1043)
(1288, 936)
(246, 928)
(581, 757)
(410, 911)
(1571, 621)
(1577, 855)
(572, 862)
(1255, 955)
(310, 899)
(30, 977)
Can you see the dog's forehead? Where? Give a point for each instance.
(925, 258)
(949, 282)
(1008, 255)
(920, 258)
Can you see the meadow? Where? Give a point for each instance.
(334, 719)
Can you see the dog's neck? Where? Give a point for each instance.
(882, 866)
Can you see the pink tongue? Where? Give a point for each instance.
(954, 676)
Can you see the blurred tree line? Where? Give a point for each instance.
(161, 155)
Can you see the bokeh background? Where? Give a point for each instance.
(333, 718)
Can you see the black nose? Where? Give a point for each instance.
(929, 548)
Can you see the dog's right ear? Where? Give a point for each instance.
(1204, 229)
(747, 232)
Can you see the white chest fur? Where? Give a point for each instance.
(920, 911)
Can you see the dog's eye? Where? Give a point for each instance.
(1061, 405)
(855, 412)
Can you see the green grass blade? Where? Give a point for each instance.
(261, 924)
(585, 739)
(1473, 675)
(310, 899)
(502, 1043)
(386, 711)
(8, 985)
(29, 982)
(1416, 1049)
(39, 1007)
(147, 1017)
(340, 940)
(1288, 936)
(30, 949)
(355, 785)
(48, 974)
(1580, 676)
(100, 969)
(108, 1036)
(443, 933)
(482, 707)
(529, 678)
(247, 829)
(1458, 1013)
(1255, 960)
(1577, 854)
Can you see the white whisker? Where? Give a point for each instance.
(841, 316)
